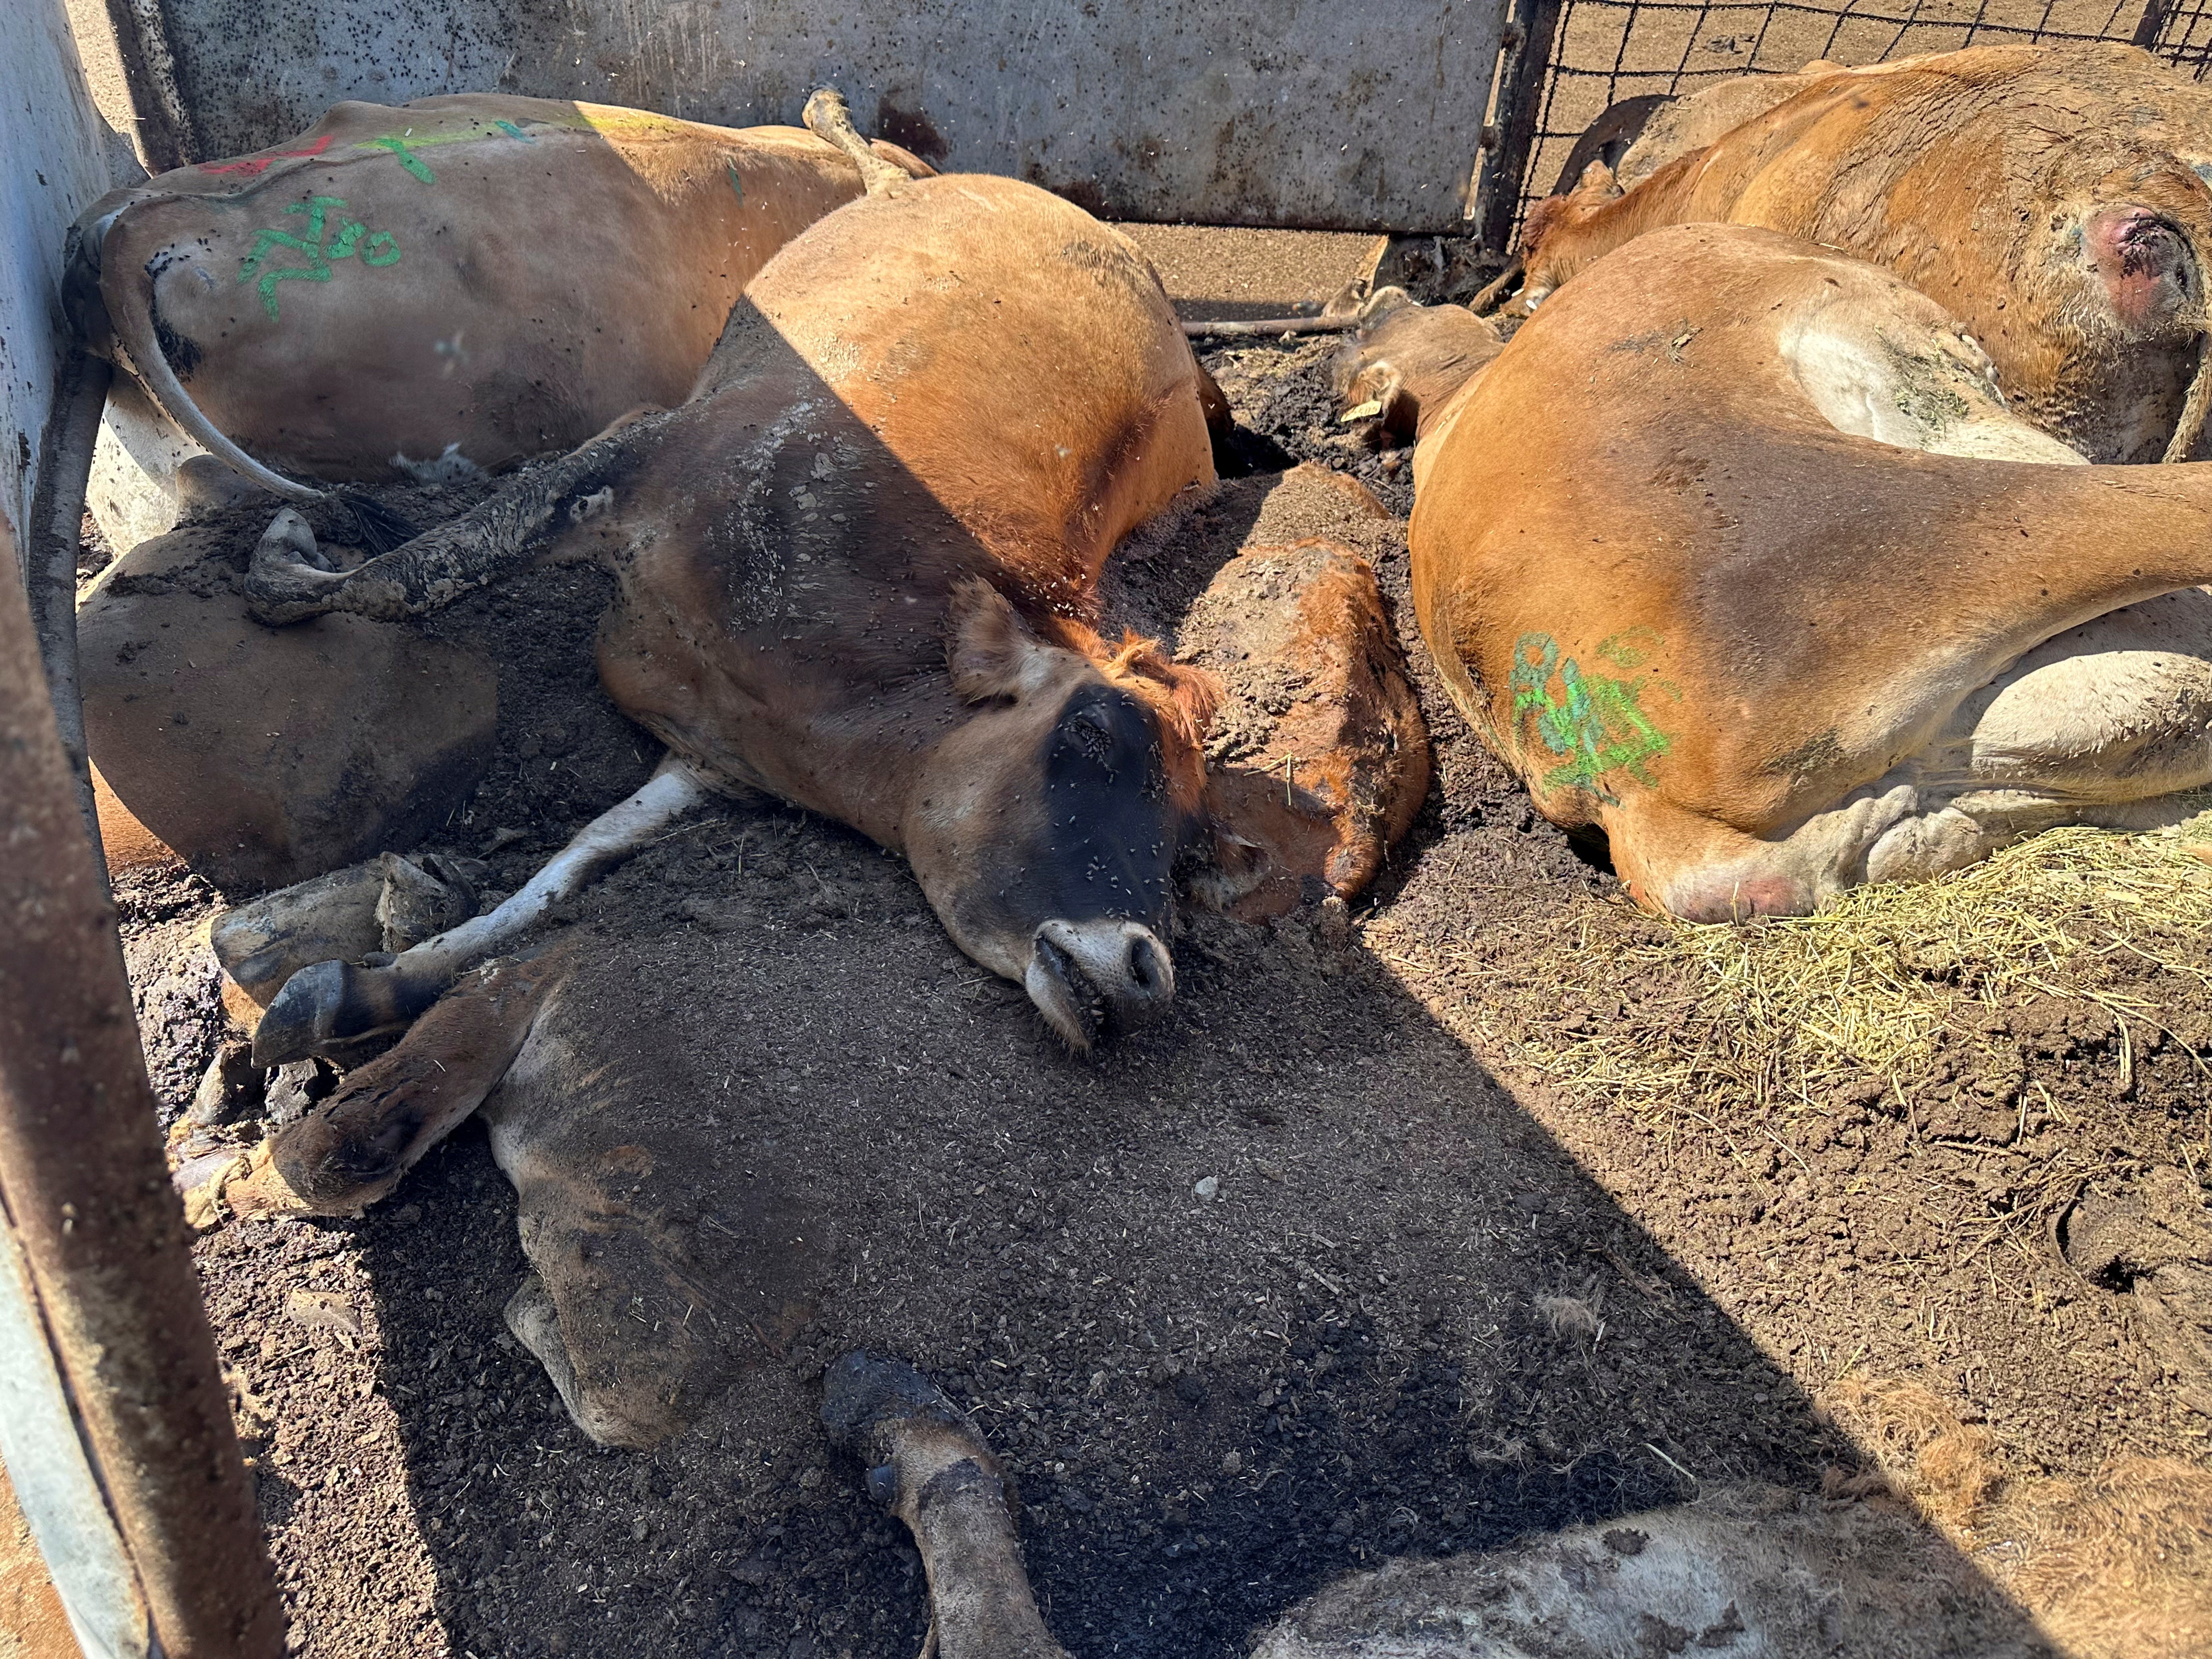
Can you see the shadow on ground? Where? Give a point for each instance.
(1273, 1290)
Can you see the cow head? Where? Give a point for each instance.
(1563, 234)
(1406, 361)
(1045, 828)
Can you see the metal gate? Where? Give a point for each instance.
(1603, 52)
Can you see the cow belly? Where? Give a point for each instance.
(2117, 710)
(453, 370)
(2110, 723)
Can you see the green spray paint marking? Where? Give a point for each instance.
(736, 183)
(404, 144)
(344, 243)
(1595, 722)
(407, 157)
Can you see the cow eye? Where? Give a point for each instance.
(1089, 731)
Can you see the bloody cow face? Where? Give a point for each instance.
(1045, 828)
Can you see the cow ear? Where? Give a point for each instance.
(1230, 867)
(1597, 184)
(1192, 693)
(1195, 694)
(991, 651)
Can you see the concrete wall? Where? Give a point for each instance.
(53, 139)
(1346, 114)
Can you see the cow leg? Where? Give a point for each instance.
(936, 1474)
(352, 1148)
(329, 1003)
(2105, 724)
(289, 579)
(1701, 870)
(828, 116)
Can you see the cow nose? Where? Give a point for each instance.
(1148, 968)
(1125, 960)
(1079, 970)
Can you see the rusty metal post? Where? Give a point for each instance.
(1507, 143)
(86, 1193)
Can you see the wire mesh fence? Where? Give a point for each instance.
(1606, 51)
(2185, 37)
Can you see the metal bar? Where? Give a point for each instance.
(2153, 24)
(53, 1484)
(1530, 27)
(1265, 327)
(86, 1191)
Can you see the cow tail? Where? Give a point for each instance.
(132, 321)
(2198, 405)
(2194, 406)
(829, 117)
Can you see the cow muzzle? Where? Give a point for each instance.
(1083, 975)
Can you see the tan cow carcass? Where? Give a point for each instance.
(1735, 555)
(1637, 136)
(452, 283)
(2049, 197)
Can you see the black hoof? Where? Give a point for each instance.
(862, 1392)
(327, 1004)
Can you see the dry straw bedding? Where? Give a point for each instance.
(1778, 1013)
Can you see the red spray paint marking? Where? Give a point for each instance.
(254, 166)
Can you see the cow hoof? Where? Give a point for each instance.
(327, 1005)
(289, 579)
(863, 1394)
(222, 1183)
(200, 1177)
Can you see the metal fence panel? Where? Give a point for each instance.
(1303, 113)
(1607, 50)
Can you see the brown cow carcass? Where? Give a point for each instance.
(1785, 598)
(450, 284)
(2048, 197)
(1634, 138)
(883, 607)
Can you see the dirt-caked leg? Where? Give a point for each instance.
(290, 580)
(828, 116)
(936, 1474)
(334, 1002)
(352, 1148)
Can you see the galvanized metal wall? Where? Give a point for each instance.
(54, 140)
(1313, 114)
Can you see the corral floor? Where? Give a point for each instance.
(1433, 1304)
(1216, 272)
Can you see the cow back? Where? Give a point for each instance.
(456, 283)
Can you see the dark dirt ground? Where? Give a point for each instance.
(1427, 1308)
